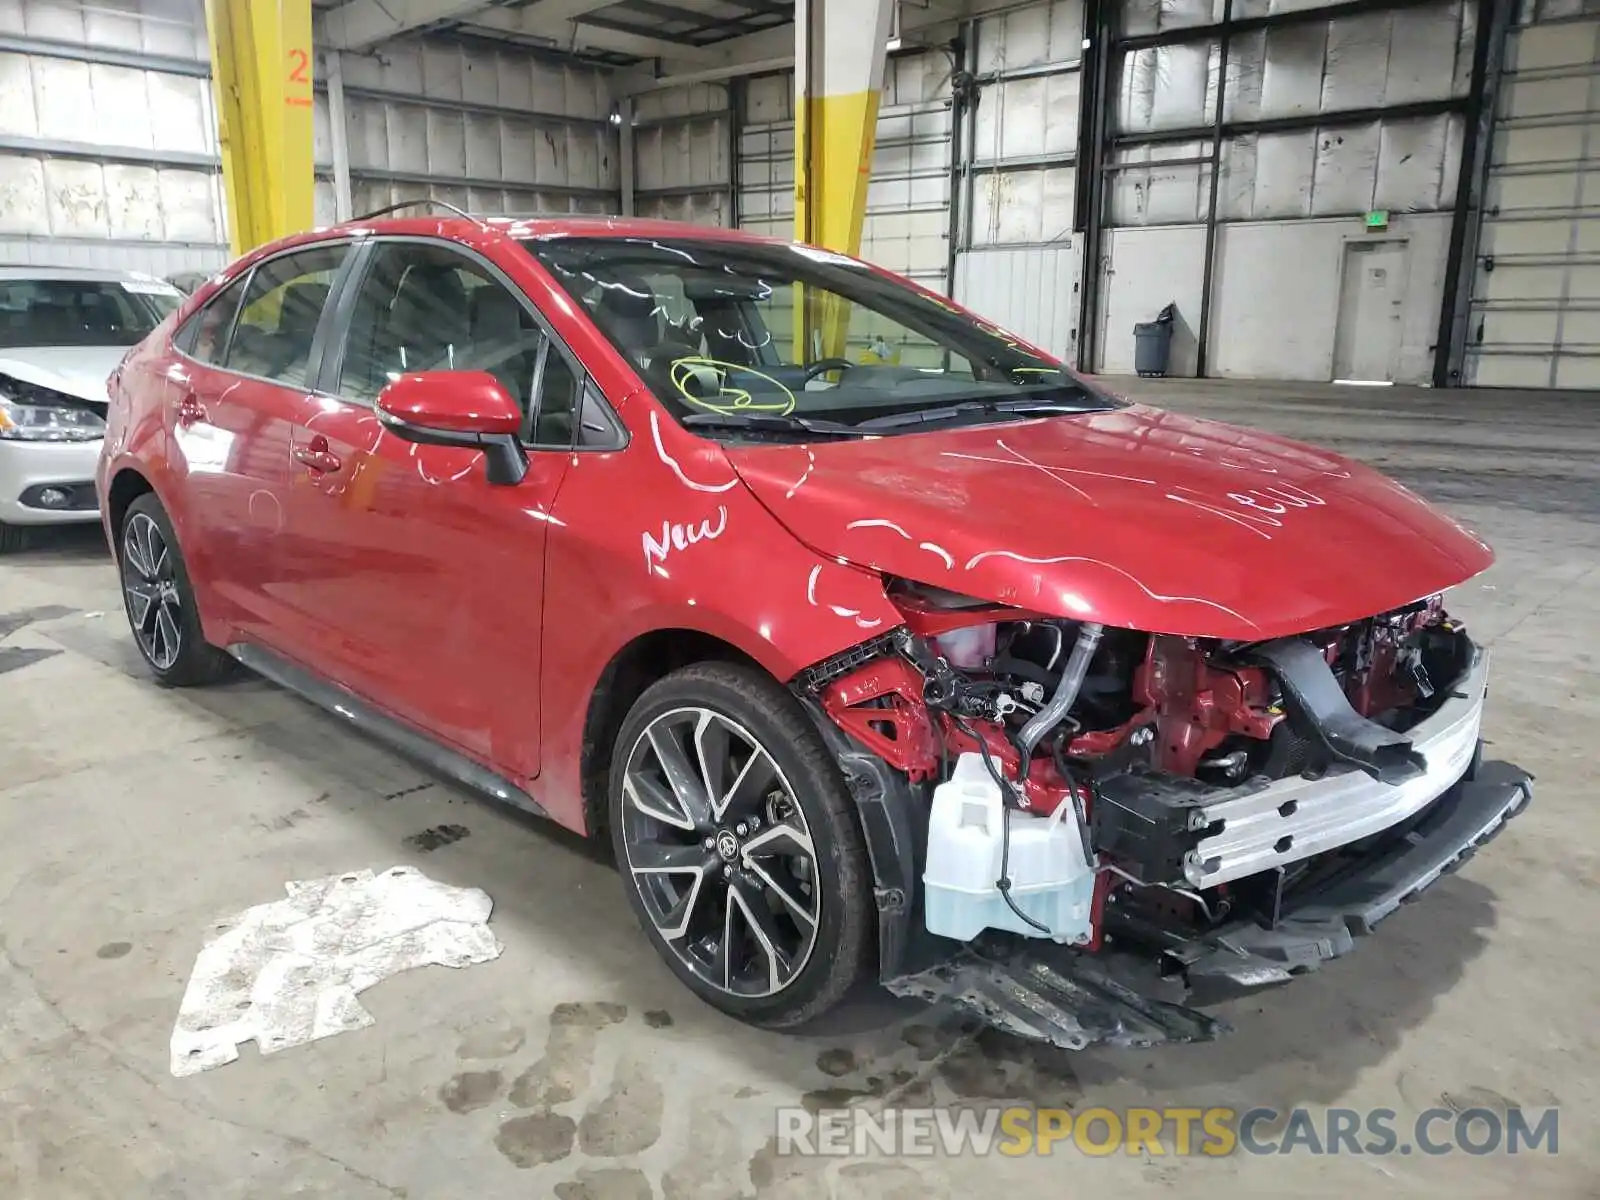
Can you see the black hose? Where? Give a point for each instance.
(1072, 791)
(1003, 884)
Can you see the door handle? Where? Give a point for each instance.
(316, 456)
(190, 410)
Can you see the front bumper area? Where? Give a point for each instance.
(1120, 997)
(1293, 819)
(25, 467)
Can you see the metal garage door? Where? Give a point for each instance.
(1535, 316)
(908, 196)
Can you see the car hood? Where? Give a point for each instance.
(1133, 517)
(79, 371)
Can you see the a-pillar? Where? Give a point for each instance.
(261, 68)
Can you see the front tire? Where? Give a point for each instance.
(739, 845)
(159, 599)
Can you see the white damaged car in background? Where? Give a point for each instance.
(62, 332)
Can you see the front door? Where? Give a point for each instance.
(416, 582)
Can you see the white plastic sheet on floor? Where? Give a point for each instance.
(289, 972)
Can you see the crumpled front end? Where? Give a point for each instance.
(1082, 833)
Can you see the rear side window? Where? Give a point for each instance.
(205, 334)
(278, 315)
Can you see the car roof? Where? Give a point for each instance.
(81, 274)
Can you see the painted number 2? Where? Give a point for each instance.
(299, 77)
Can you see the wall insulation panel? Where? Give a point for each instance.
(490, 131)
(1535, 311)
(1017, 261)
(683, 154)
(108, 163)
(1290, 202)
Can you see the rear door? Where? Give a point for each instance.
(419, 583)
(249, 354)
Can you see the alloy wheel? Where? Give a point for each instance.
(720, 853)
(150, 581)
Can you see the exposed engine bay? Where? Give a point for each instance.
(1186, 801)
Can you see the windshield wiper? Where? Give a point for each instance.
(979, 408)
(777, 422)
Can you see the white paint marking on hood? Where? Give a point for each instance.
(289, 972)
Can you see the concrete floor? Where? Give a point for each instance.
(130, 818)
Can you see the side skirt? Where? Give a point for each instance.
(368, 720)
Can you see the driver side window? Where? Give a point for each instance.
(429, 308)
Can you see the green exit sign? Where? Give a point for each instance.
(1378, 219)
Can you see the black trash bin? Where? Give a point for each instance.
(1152, 343)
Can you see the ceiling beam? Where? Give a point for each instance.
(773, 49)
(361, 23)
(561, 24)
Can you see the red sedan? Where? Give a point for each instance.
(874, 638)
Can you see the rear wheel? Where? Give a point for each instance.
(739, 845)
(159, 600)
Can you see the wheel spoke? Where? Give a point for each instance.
(681, 776)
(786, 837)
(794, 901)
(711, 745)
(752, 906)
(141, 599)
(663, 858)
(655, 801)
(674, 921)
(755, 780)
(133, 552)
(147, 548)
(159, 567)
(722, 960)
(167, 628)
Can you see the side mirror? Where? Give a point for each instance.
(458, 408)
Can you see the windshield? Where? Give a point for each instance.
(762, 338)
(81, 312)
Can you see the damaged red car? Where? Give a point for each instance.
(873, 638)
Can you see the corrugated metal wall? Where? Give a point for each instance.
(1289, 203)
(683, 154)
(1017, 261)
(488, 130)
(907, 226)
(109, 153)
(1535, 313)
(108, 150)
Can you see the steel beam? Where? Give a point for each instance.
(561, 24)
(338, 136)
(841, 48)
(107, 55)
(1277, 20)
(1326, 120)
(133, 156)
(1466, 220)
(261, 69)
(361, 23)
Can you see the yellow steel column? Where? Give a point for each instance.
(261, 69)
(840, 50)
